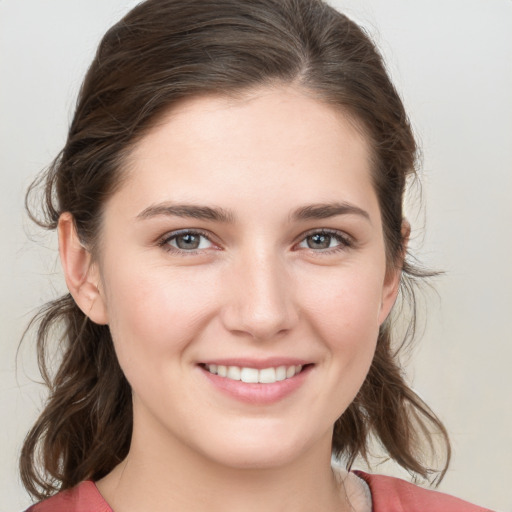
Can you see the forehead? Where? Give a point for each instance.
(295, 112)
(269, 139)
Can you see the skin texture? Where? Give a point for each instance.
(254, 289)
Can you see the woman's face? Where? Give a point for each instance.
(242, 269)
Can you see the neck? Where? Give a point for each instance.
(153, 478)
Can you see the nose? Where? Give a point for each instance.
(260, 297)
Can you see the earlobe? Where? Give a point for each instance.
(393, 277)
(82, 276)
(389, 293)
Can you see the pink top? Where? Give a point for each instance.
(388, 495)
(395, 495)
(85, 497)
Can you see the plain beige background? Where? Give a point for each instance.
(452, 62)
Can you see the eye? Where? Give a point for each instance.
(186, 241)
(325, 241)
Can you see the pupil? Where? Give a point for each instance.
(187, 241)
(319, 241)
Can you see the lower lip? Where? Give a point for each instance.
(257, 393)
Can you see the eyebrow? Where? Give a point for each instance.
(216, 214)
(188, 211)
(326, 210)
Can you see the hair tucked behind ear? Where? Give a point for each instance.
(162, 52)
(85, 428)
(388, 410)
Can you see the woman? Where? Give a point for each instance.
(229, 210)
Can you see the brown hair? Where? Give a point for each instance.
(158, 54)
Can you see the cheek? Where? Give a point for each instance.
(346, 305)
(343, 317)
(155, 313)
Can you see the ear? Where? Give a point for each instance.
(393, 277)
(82, 276)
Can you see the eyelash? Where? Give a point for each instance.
(345, 241)
(165, 241)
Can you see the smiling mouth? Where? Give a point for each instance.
(249, 375)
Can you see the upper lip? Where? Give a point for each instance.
(271, 362)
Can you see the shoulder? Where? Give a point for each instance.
(390, 493)
(85, 497)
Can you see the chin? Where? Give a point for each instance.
(266, 448)
(256, 458)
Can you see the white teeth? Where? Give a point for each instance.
(249, 375)
(253, 375)
(267, 375)
(281, 373)
(233, 373)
